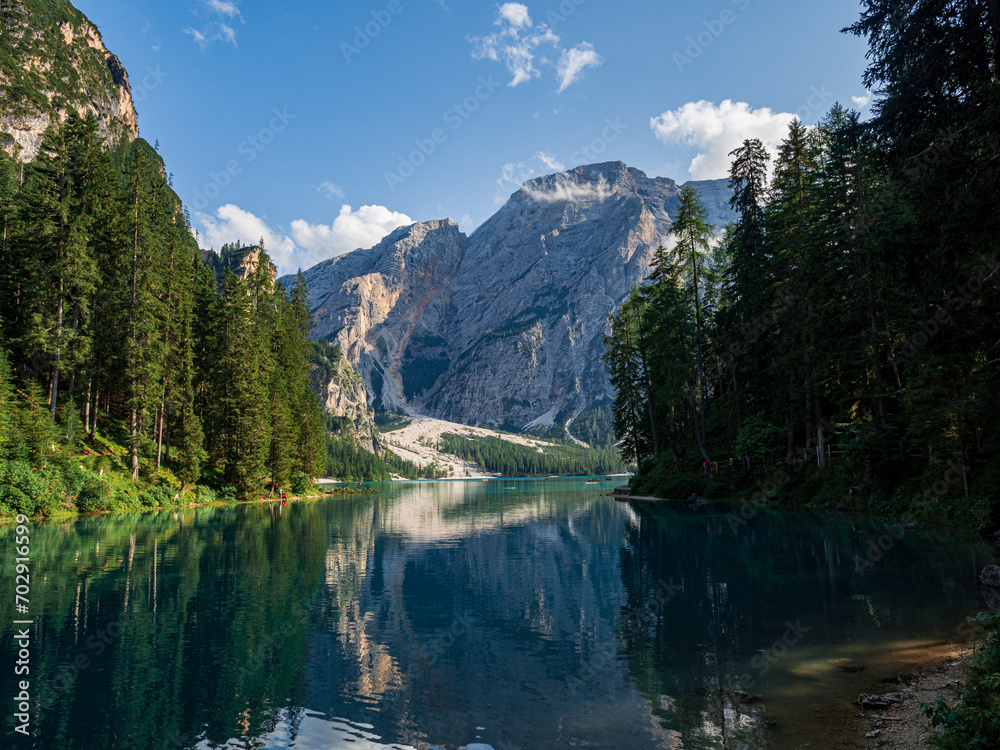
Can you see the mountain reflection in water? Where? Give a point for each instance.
(444, 614)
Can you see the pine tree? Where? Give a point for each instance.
(60, 272)
(624, 364)
(693, 233)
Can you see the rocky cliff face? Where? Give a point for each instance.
(343, 394)
(503, 327)
(55, 64)
(241, 261)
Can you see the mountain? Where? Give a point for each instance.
(502, 327)
(54, 62)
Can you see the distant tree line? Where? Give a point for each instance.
(849, 321)
(345, 459)
(117, 339)
(498, 456)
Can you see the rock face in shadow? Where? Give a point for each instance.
(504, 326)
(989, 585)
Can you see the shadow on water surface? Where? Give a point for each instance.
(521, 614)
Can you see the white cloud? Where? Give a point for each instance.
(717, 130)
(513, 175)
(197, 37)
(572, 63)
(519, 42)
(231, 223)
(862, 101)
(514, 14)
(564, 190)
(215, 30)
(330, 190)
(309, 243)
(351, 230)
(224, 8)
(549, 160)
(227, 33)
(510, 47)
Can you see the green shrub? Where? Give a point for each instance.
(205, 495)
(157, 497)
(301, 483)
(93, 496)
(228, 494)
(974, 724)
(23, 490)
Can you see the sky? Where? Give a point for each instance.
(323, 126)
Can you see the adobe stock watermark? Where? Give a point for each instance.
(149, 83)
(878, 548)
(601, 658)
(365, 34)
(442, 643)
(96, 645)
(815, 103)
(714, 28)
(589, 153)
(958, 299)
(454, 117)
(562, 12)
(249, 149)
(768, 490)
(765, 660)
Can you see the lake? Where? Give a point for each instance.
(512, 613)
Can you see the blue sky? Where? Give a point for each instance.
(324, 125)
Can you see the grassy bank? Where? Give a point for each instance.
(59, 474)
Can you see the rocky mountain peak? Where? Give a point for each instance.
(504, 326)
(60, 65)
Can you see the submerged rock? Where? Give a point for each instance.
(866, 700)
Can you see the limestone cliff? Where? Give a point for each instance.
(344, 397)
(55, 63)
(243, 261)
(503, 327)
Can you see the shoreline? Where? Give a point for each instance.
(737, 503)
(830, 717)
(904, 726)
(70, 515)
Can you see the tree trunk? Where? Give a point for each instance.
(700, 354)
(54, 397)
(76, 328)
(649, 406)
(133, 423)
(821, 436)
(159, 436)
(877, 362)
(133, 442)
(86, 407)
(93, 414)
(790, 446)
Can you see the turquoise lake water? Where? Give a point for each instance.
(515, 614)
